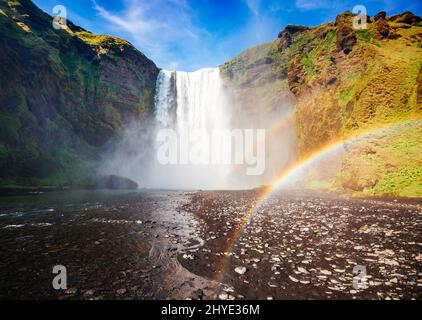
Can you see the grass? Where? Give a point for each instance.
(318, 55)
(365, 35)
(96, 40)
(392, 160)
(307, 61)
(403, 149)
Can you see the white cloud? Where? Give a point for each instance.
(170, 32)
(254, 6)
(158, 28)
(131, 21)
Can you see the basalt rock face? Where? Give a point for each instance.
(64, 94)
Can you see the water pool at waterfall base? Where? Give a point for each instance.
(183, 245)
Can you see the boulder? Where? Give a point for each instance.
(406, 17)
(286, 35)
(115, 182)
(380, 15)
(384, 31)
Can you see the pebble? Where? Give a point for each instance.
(88, 293)
(223, 296)
(189, 256)
(302, 270)
(121, 291)
(240, 270)
(72, 291)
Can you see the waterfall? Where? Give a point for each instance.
(197, 97)
(199, 100)
(164, 98)
(192, 103)
(207, 133)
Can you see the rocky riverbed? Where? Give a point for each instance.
(309, 246)
(188, 245)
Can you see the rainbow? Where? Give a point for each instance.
(289, 174)
(287, 119)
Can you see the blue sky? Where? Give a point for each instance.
(191, 34)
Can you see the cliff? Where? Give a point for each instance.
(344, 82)
(64, 94)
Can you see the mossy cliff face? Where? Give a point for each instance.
(64, 94)
(351, 81)
(346, 82)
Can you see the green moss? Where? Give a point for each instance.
(296, 46)
(348, 94)
(97, 40)
(365, 35)
(394, 158)
(320, 48)
(403, 183)
(308, 64)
